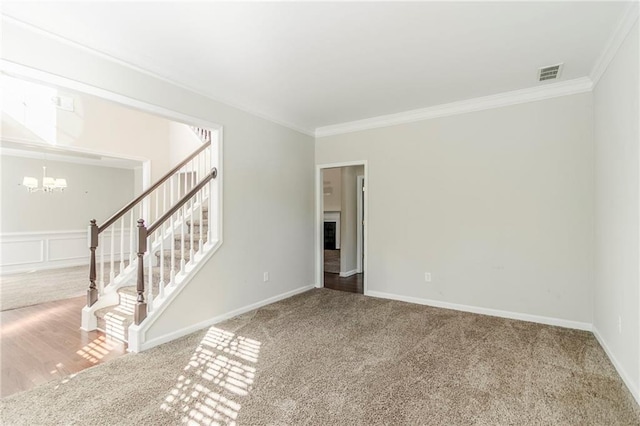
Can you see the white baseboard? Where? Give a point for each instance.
(635, 391)
(348, 273)
(485, 311)
(219, 318)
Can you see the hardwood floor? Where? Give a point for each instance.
(44, 342)
(352, 284)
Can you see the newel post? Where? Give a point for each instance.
(140, 312)
(92, 293)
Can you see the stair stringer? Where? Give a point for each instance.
(137, 333)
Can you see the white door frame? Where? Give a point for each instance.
(319, 241)
(360, 228)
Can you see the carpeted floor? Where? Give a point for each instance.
(328, 357)
(332, 261)
(32, 288)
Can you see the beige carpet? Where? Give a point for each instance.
(332, 261)
(31, 288)
(328, 357)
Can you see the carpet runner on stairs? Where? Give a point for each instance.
(115, 320)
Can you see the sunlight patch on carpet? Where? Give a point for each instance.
(218, 373)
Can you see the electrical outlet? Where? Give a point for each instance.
(619, 324)
(265, 277)
(427, 277)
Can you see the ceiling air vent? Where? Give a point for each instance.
(549, 73)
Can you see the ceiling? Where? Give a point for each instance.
(29, 145)
(311, 65)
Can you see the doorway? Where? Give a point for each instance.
(341, 248)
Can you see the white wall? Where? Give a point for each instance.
(182, 142)
(93, 192)
(496, 204)
(43, 231)
(268, 185)
(331, 178)
(105, 127)
(617, 280)
(349, 220)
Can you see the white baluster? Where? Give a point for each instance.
(164, 198)
(101, 280)
(172, 239)
(172, 274)
(193, 173)
(208, 189)
(131, 233)
(207, 159)
(202, 164)
(191, 218)
(182, 237)
(157, 193)
(161, 284)
(179, 179)
(122, 245)
(112, 266)
(150, 280)
(171, 190)
(200, 242)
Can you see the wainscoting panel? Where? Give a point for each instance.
(32, 251)
(22, 252)
(67, 248)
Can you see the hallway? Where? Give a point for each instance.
(352, 284)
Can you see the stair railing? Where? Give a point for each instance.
(203, 134)
(186, 208)
(112, 244)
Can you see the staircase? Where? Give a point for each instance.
(115, 320)
(151, 246)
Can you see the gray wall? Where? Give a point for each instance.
(496, 204)
(268, 184)
(349, 218)
(332, 201)
(93, 193)
(617, 278)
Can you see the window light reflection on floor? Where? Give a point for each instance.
(219, 373)
(95, 350)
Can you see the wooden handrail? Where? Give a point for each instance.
(153, 187)
(183, 200)
(140, 308)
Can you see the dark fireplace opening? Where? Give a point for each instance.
(330, 235)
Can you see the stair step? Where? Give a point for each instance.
(115, 320)
(167, 255)
(196, 222)
(196, 228)
(187, 243)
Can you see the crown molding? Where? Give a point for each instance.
(618, 36)
(532, 94)
(141, 70)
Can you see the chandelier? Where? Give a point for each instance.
(49, 184)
